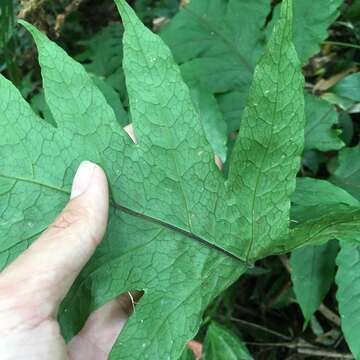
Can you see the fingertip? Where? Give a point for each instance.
(95, 197)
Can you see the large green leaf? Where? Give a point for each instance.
(312, 273)
(174, 227)
(222, 344)
(348, 294)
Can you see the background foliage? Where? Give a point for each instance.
(287, 306)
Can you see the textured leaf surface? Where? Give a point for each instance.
(313, 271)
(266, 156)
(222, 344)
(321, 118)
(348, 294)
(39, 161)
(347, 174)
(175, 220)
(38, 103)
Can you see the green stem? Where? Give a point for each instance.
(338, 43)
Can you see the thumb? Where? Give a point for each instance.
(51, 264)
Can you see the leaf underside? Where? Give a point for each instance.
(177, 227)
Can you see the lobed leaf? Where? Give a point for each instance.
(139, 252)
(177, 228)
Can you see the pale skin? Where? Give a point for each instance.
(33, 286)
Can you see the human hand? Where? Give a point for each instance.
(33, 286)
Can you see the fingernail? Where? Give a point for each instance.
(82, 179)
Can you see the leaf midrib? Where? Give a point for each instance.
(134, 213)
(274, 110)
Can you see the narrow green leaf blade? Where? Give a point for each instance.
(7, 21)
(266, 156)
(314, 197)
(312, 273)
(348, 294)
(340, 222)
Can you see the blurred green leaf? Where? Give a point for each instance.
(313, 197)
(215, 51)
(103, 55)
(347, 174)
(147, 10)
(113, 99)
(348, 294)
(321, 118)
(7, 21)
(313, 270)
(222, 344)
(212, 120)
(349, 87)
(343, 103)
(311, 22)
(187, 355)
